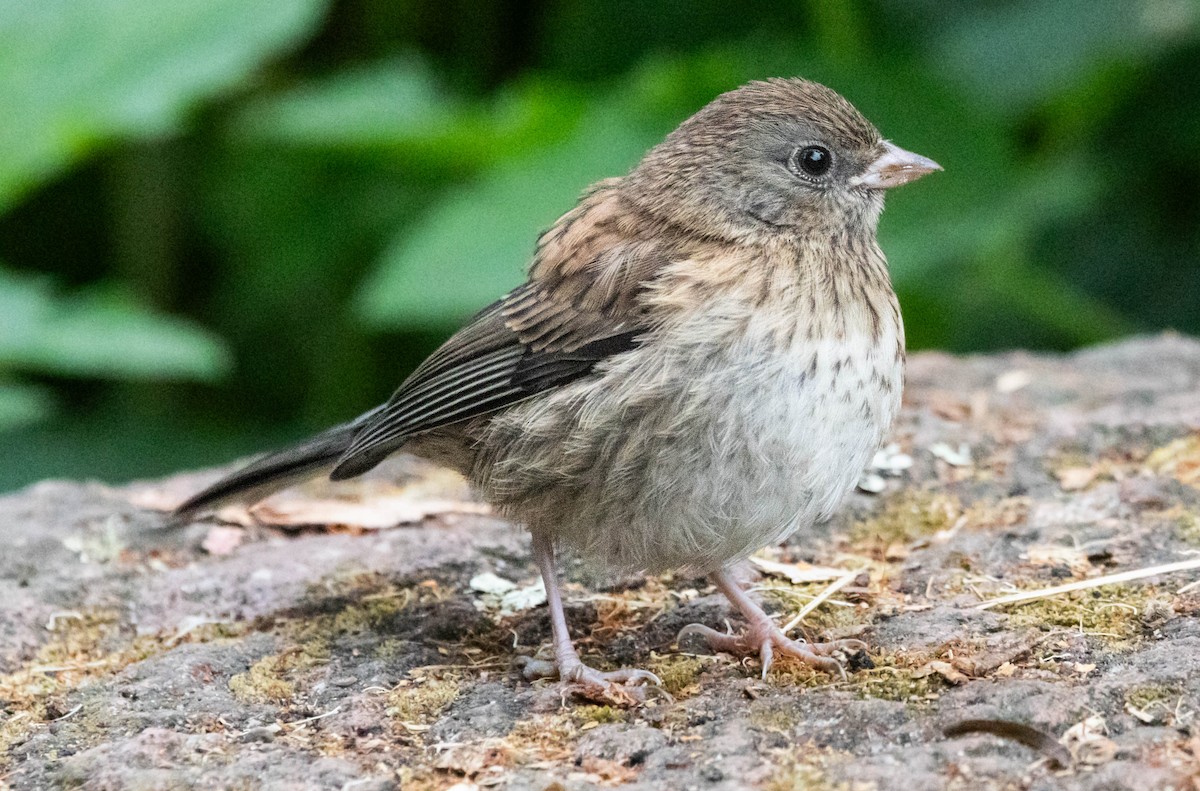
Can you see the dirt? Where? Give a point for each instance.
(338, 657)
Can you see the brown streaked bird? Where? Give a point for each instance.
(705, 354)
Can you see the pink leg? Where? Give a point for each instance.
(764, 636)
(567, 664)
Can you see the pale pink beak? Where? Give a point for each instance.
(893, 168)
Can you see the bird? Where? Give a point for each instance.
(704, 356)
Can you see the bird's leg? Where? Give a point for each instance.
(764, 637)
(567, 665)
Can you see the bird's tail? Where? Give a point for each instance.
(274, 471)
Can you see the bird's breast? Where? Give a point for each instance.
(795, 412)
(716, 436)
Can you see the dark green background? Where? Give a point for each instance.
(224, 223)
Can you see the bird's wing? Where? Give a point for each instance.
(580, 305)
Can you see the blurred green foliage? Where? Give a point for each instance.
(227, 222)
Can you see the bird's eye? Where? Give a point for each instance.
(813, 160)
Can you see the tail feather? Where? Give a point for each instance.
(271, 473)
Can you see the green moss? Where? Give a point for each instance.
(899, 684)
(798, 777)
(391, 649)
(906, 517)
(1179, 459)
(770, 716)
(1110, 613)
(260, 684)
(790, 598)
(679, 673)
(368, 615)
(1187, 527)
(793, 673)
(273, 679)
(1148, 696)
(87, 645)
(602, 715)
(420, 702)
(804, 770)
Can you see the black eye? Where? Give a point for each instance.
(814, 160)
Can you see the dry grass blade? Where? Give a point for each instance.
(1094, 582)
(1191, 586)
(833, 588)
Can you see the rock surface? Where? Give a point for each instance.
(339, 657)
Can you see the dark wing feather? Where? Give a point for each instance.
(485, 367)
(580, 306)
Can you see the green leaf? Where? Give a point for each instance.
(23, 405)
(100, 335)
(1040, 198)
(396, 107)
(473, 246)
(1017, 54)
(75, 74)
(377, 105)
(1052, 301)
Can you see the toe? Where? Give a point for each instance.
(699, 630)
(536, 669)
(632, 676)
(801, 651)
(768, 640)
(717, 641)
(825, 649)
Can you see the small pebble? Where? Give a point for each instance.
(872, 483)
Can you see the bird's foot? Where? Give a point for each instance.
(765, 639)
(624, 687)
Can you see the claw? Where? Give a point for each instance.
(626, 686)
(766, 639)
(766, 655)
(628, 676)
(623, 687)
(714, 638)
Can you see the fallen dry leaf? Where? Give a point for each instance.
(1054, 556)
(1005, 670)
(949, 406)
(1088, 741)
(506, 597)
(375, 513)
(414, 493)
(1179, 459)
(797, 572)
(943, 669)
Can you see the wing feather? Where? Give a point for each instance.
(580, 306)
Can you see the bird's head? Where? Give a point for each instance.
(779, 156)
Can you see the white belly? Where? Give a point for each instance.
(702, 454)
